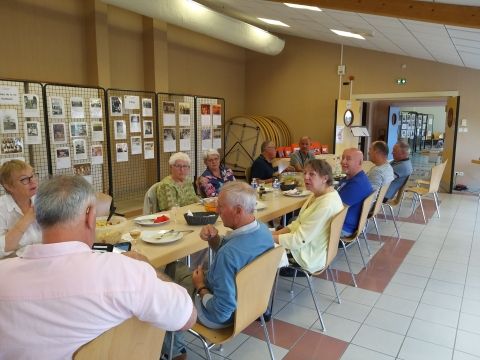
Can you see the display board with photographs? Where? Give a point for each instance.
(22, 127)
(76, 123)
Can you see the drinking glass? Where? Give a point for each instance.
(174, 211)
(135, 234)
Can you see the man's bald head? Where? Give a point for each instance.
(352, 162)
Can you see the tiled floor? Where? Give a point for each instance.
(419, 298)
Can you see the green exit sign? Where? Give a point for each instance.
(401, 81)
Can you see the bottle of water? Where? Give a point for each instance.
(254, 184)
(276, 187)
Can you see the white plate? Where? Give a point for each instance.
(147, 220)
(161, 236)
(298, 194)
(260, 205)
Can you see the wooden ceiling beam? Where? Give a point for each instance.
(432, 12)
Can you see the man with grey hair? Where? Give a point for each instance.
(60, 295)
(382, 173)
(402, 168)
(216, 292)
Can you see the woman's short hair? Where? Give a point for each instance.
(210, 152)
(179, 156)
(239, 193)
(10, 167)
(322, 168)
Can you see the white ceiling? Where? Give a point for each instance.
(440, 43)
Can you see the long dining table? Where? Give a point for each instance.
(159, 255)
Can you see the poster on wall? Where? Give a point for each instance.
(59, 133)
(76, 107)
(217, 138)
(9, 95)
(205, 117)
(122, 152)
(32, 133)
(96, 108)
(135, 126)
(116, 106)
(184, 114)
(168, 113)
(120, 130)
(63, 158)
(57, 107)
(12, 145)
(169, 140)
(3, 161)
(148, 129)
(147, 107)
(79, 149)
(97, 131)
(217, 115)
(136, 145)
(185, 139)
(31, 105)
(206, 138)
(84, 170)
(339, 134)
(78, 129)
(132, 102)
(148, 150)
(8, 121)
(96, 154)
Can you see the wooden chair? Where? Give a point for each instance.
(367, 165)
(394, 202)
(332, 249)
(103, 204)
(433, 185)
(375, 211)
(132, 339)
(150, 201)
(254, 285)
(347, 241)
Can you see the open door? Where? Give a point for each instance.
(450, 142)
(393, 126)
(348, 113)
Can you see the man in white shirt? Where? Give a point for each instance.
(60, 295)
(382, 173)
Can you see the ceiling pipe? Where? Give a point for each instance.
(196, 17)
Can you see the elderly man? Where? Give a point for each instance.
(402, 168)
(300, 157)
(262, 167)
(353, 189)
(60, 295)
(216, 294)
(382, 173)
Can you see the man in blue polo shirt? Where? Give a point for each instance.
(353, 189)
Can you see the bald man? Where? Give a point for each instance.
(353, 189)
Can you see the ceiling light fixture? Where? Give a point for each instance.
(304, 7)
(348, 34)
(274, 22)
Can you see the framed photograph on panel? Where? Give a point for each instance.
(57, 107)
(76, 107)
(96, 108)
(147, 107)
(31, 105)
(120, 130)
(79, 149)
(78, 129)
(148, 129)
(32, 132)
(135, 126)
(9, 121)
(59, 133)
(116, 106)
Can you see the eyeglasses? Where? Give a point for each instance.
(183, 167)
(28, 179)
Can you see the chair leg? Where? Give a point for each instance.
(393, 217)
(334, 284)
(376, 226)
(293, 280)
(348, 263)
(319, 312)
(400, 206)
(265, 332)
(274, 291)
(172, 340)
(435, 197)
(357, 240)
(366, 242)
(205, 345)
(384, 214)
(421, 206)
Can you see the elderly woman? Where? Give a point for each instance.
(176, 189)
(18, 226)
(307, 236)
(213, 178)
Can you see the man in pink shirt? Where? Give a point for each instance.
(60, 295)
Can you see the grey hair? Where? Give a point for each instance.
(179, 156)
(210, 152)
(403, 146)
(240, 194)
(62, 199)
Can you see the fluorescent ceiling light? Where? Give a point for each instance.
(305, 7)
(274, 22)
(348, 34)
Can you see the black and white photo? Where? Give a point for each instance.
(59, 133)
(32, 133)
(116, 106)
(78, 129)
(57, 107)
(8, 121)
(31, 105)
(80, 149)
(76, 107)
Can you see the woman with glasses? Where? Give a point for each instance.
(213, 178)
(176, 189)
(18, 226)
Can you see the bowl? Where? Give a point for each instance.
(111, 232)
(288, 186)
(201, 218)
(210, 204)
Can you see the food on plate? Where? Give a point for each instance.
(160, 219)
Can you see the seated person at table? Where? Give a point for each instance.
(262, 167)
(402, 168)
(18, 226)
(299, 158)
(213, 178)
(353, 189)
(307, 236)
(60, 295)
(216, 300)
(176, 189)
(382, 173)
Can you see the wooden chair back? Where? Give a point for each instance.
(366, 206)
(103, 203)
(132, 339)
(367, 165)
(335, 231)
(398, 197)
(378, 203)
(436, 177)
